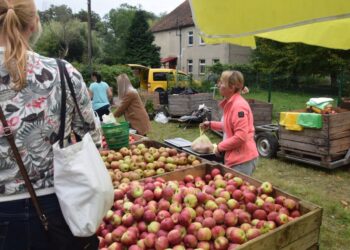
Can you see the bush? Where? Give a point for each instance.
(108, 73)
(248, 71)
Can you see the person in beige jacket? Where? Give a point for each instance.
(131, 106)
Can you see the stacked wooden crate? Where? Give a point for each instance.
(153, 97)
(262, 111)
(320, 147)
(184, 104)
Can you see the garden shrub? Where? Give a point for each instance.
(108, 73)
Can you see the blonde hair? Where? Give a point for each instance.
(124, 85)
(16, 16)
(233, 78)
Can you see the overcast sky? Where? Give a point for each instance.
(102, 7)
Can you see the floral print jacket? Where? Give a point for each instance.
(34, 116)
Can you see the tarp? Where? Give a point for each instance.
(317, 22)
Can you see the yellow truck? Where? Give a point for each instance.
(157, 79)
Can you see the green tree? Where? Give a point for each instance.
(289, 61)
(67, 40)
(117, 24)
(59, 13)
(82, 15)
(140, 40)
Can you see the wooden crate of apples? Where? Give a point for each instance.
(207, 207)
(140, 161)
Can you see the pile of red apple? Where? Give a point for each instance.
(217, 212)
(138, 161)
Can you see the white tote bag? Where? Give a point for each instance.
(82, 183)
(83, 186)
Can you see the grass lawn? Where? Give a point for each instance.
(328, 189)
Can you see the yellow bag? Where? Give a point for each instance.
(202, 144)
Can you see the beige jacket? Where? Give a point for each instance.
(135, 113)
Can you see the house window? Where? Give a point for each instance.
(216, 61)
(189, 66)
(190, 38)
(201, 66)
(201, 41)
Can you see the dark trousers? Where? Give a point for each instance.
(21, 229)
(102, 111)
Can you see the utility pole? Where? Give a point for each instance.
(179, 34)
(89, 37)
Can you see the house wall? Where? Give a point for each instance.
(169, 41)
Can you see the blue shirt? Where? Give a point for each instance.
(100, 97)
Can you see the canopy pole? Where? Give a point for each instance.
(340, 88)
(270, 86)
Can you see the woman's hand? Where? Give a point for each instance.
(216, 151)
(205, 125)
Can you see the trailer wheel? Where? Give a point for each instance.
(267, 144)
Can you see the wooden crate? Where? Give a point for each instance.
(154, 97)
(184, 104)
(262, 111)
(320, 146)
(301, 233)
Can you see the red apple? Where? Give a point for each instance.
(244, 217)
(161, 243)
(127, 220)
(272, 216)
(281, 219)
(137, 211)
(245, 226)
(290, 204)
(150, 240)
(221, 243)
(260, 214)
(174, 237)
(268, 206)
(209, 222)
(149, 216)
(280, 199)
(237, 195)
(128, 238)
(148, 195)
(249, 196)
(237, 236)
(190, 241)
(204, 234)
(214, 172)
(217, 231)
(230, 219)
(219, 216)
(252, 233)
(295, 214)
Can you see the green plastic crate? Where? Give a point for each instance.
(117, 136)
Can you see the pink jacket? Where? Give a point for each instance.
(238, 124)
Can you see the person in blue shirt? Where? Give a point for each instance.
(100, 93)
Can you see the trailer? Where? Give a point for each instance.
(328, 147)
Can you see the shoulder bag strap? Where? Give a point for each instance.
(9, 136)
(63, 104)
(66, 78)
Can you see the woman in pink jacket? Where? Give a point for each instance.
(238, 144)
